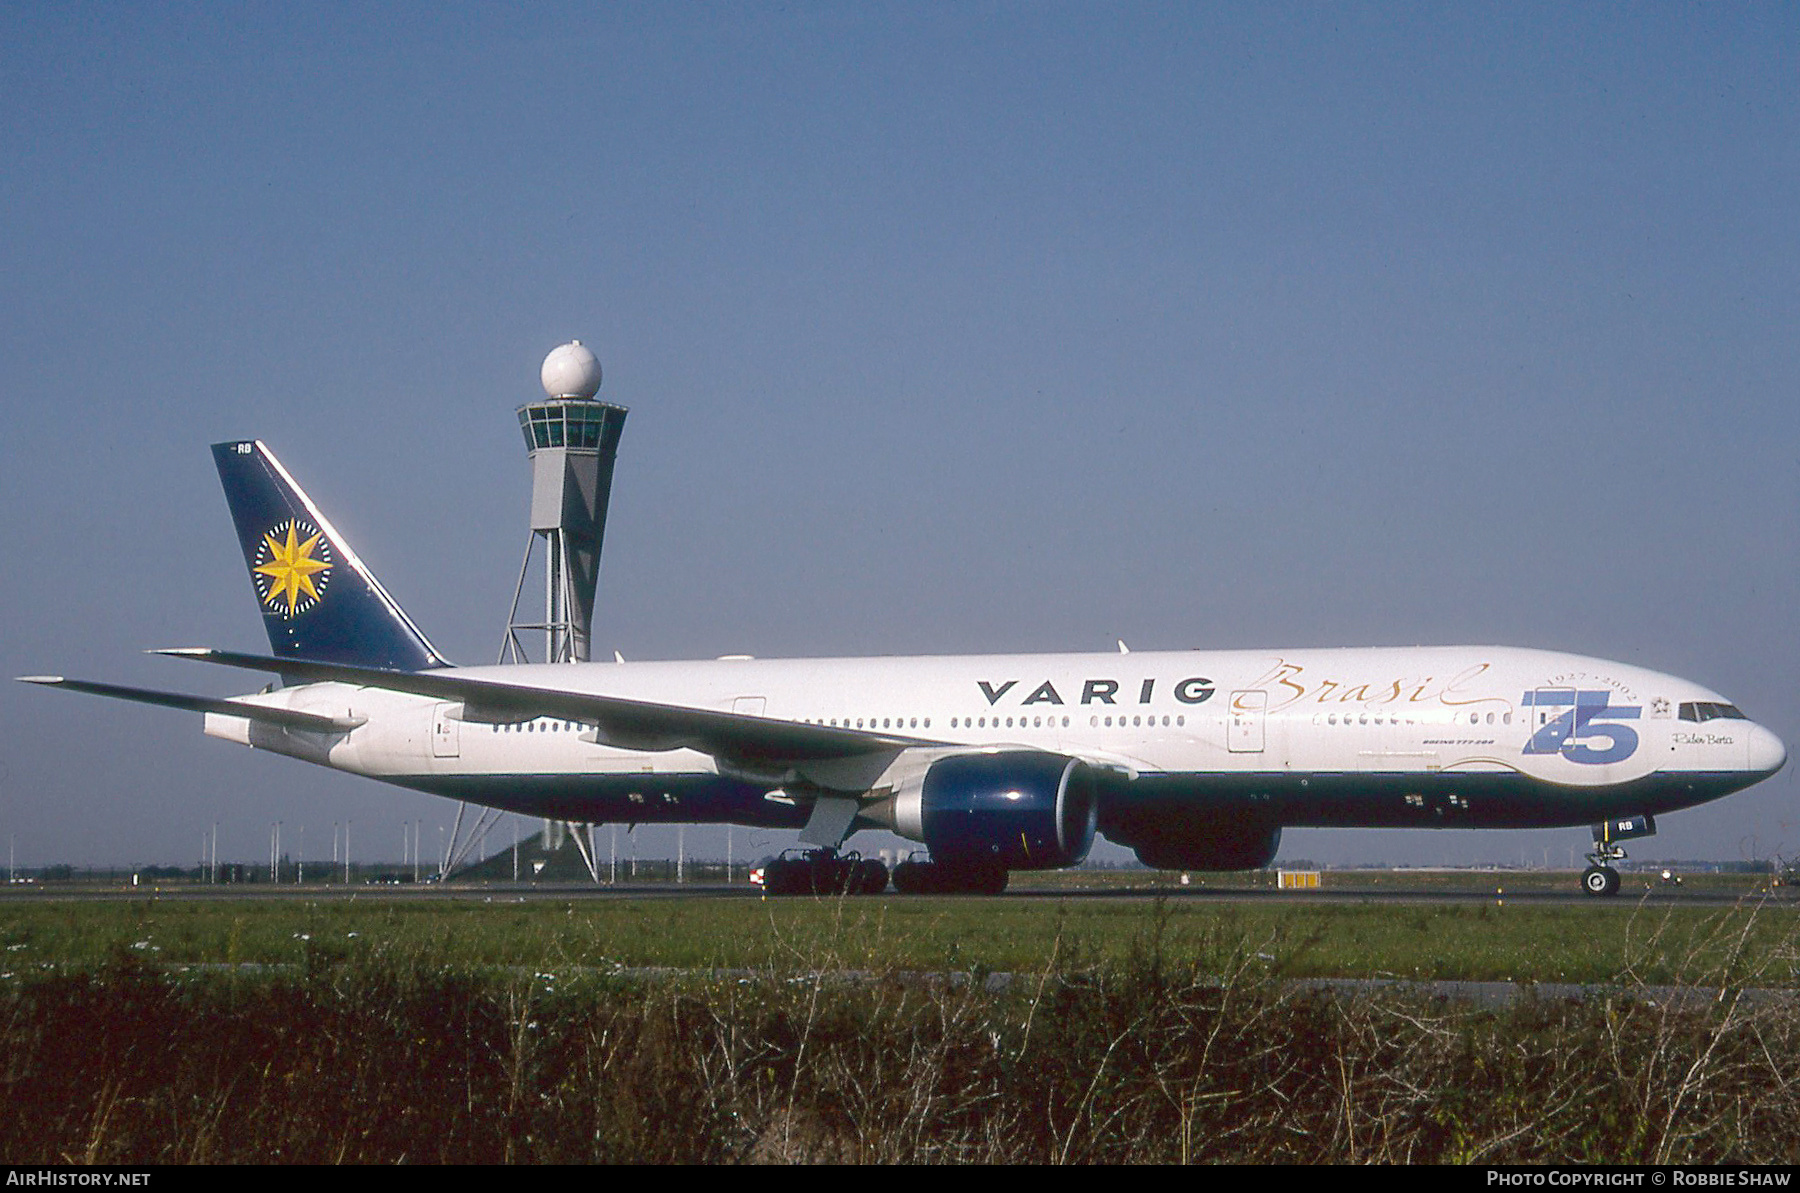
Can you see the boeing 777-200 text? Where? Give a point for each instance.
(1194, 759)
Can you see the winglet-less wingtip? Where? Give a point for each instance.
(286, 718)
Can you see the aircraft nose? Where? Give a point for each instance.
(1764, 752)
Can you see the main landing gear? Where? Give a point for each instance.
(1600, 879)
(824, 872)
(828, 872)
(918, 876)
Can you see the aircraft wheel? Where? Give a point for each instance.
(1600, 881)
(914, 878)
(868, 877)
(949, 878)
(974, 879)
(831, 876)
(785, 876)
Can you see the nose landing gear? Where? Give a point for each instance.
(1600, 879)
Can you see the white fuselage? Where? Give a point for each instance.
(1336, 736)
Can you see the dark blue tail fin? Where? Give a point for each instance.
(318, 601)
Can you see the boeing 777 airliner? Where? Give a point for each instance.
(1194, 759)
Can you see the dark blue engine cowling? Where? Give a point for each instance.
(1021, 809)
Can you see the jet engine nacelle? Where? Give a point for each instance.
(1016, 809)
(1227, 847)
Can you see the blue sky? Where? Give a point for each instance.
(944, 328)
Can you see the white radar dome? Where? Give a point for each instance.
(571, 372)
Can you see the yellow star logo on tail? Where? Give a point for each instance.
(291, 573)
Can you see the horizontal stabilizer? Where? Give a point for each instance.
(286, 718)
(628, 724)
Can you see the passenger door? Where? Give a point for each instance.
(1244, 731)
(446, 737)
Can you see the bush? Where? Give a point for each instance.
(1211, 1056)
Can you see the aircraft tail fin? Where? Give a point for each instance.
(318, 601)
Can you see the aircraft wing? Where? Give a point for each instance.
(287, 718)
(628, 724)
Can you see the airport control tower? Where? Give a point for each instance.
(573, 439)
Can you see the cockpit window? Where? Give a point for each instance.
(1710, 710)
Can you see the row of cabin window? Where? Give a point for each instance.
(1139, 721)
(1039, 722)
(1035, 722)
(1390, 719)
